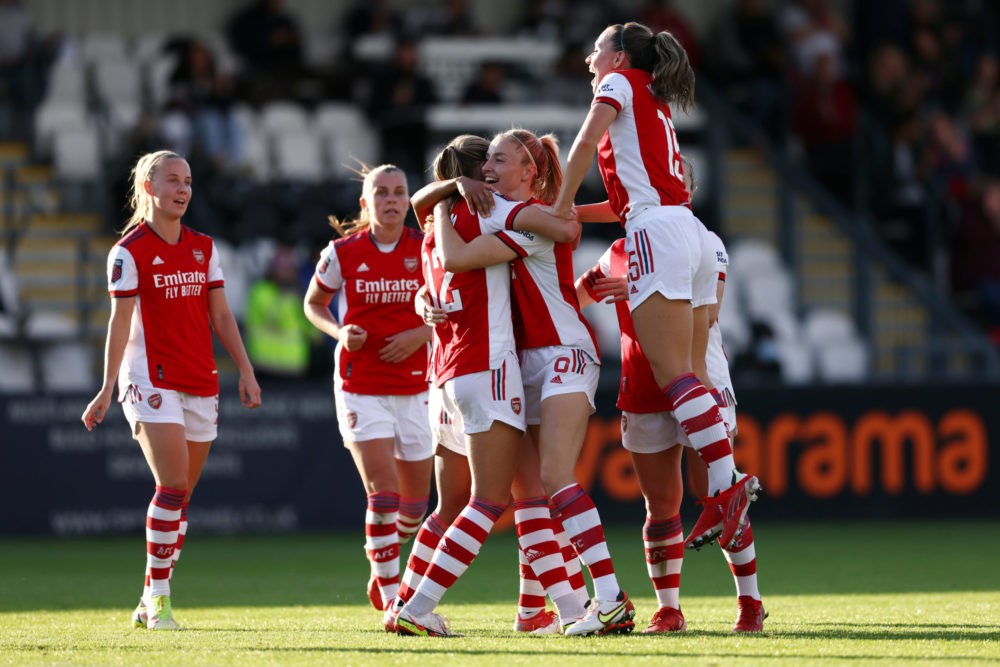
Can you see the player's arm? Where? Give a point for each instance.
(595, 286)
(581, 155)
(316, 306)
(225, 327)
(540, 220)
(599, 212)
(714, 308)
(119, 325)
(484, 250)
(475, 192)
(398, 347)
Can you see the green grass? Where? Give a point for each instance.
(838, 593)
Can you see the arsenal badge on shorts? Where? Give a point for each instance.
(155, 401)
(624, 423)
(515, 405)
(352, 419)
(411, 263)
(199, 256)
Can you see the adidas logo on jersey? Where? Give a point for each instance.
(633, 290)
(157, 261)
(363, 267)
(556, 380)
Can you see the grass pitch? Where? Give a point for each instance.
(838, 593)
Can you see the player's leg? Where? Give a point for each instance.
(659, 476)
(539, 551)
(376, 463)
(414, 462)
(166, 451)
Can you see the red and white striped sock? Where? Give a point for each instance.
(742, 560)
(582, 523)
(427, 540)
(571, 560)
(698, 414)
(163, 517)
(538, 546)
(411, 513)
(182, 529)
(663, 540)
(530, 592)
(458, 548)
(382, 542)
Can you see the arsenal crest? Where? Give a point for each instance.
(199, 256)
(352, 419)
(116, 271)
(155, 401)
(624, 424)
(515, 405)
(411, 263)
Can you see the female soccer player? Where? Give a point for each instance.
(559, 359)
(380, 385)
(636, 74)
(167, 298)
(653, 437)
(476, 367)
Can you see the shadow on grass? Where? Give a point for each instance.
(330, 569)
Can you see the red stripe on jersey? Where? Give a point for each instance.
(513, 245)
(609, 101)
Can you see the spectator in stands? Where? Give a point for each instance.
(488, 86)
(20, 71)
(451, 18)
(975, 255)
(750, 62)
(825, 118)
(813, 30)
(370, 17)
(398, 102)
(947, 156)
(268, 40)
(981, 112)
(202, 97)
(279, 337)
(902, 206)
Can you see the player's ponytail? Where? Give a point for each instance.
(139, 200)
(664, 58)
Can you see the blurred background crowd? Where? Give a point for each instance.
(848, 153)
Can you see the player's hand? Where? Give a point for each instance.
(352, 336)
(611, 290)
(477, 194)
(97, 409)
(568, 212)
(249, 390)
(420, 299)
(400, 346)
(432, 315)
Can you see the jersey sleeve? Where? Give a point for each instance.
(123, 276)
(502, 216)
(615, 90)
(524, 243)
(721, 256)
(215, 278)
(328, 275)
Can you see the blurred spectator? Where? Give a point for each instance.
(661, 15)
(23, 67)
(487, 87)
(813, 29)
(370, 17)
(902, 206)
(750, 62)
(981, 111)
(398, 101)
(825, 119)
(948, 156)
(268, 40)
(543, 19)
(890, 93)
(201, 97)
(279, 338)
(975, 255)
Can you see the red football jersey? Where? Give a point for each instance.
(170, 341)
(639, 156)
(376, 290)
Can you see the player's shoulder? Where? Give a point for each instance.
(133, 237)
(351, 240)
(413, 235)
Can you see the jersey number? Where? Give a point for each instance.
(449, 300)
(673, 147)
